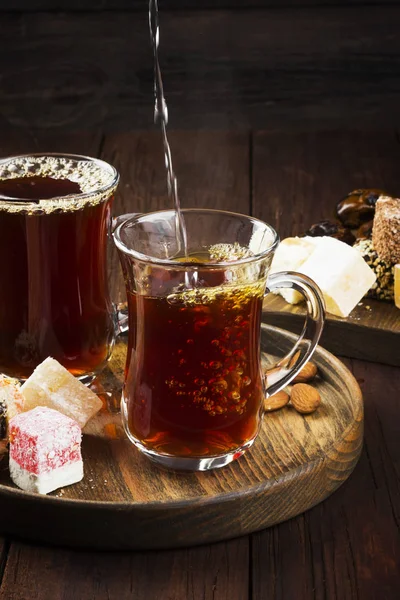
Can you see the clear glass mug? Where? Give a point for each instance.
(54, 293)
(194, 390)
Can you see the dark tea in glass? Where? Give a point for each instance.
(198, 387)
(193, 391)
(54, 298)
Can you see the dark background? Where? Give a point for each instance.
(227, 64)
(298, 101)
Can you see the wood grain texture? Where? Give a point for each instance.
(125, 501)
(212, 170)
(141, 5)
(214, 573)
(348, 547)
(17, 141)
(4, 548)
(223, 69)
(370, 332)
(296, 184)
(211, 167)
(219, 572)
(298, 178)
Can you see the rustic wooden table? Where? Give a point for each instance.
(346, 548)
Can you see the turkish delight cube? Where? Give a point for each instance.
(53, 386)
(45, 450)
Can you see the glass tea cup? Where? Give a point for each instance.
(55, 216)
(194, 389)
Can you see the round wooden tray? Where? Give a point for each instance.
(126, 502)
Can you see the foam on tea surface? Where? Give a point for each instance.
(237, 282)
(228, 252)
(234, 295)
(90, 176)
(218, 253)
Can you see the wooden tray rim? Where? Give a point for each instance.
(155, 505)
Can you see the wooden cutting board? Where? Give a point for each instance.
(370, 332)
(126, 502)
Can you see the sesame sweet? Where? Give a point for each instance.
(386, 229)
(53, 386)
(382, 289)
(45, 450)
(11, 403)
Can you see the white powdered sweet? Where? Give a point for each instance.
(338, 269)
(53, 386)
(48, 481)
(45, 450)
(291, 253)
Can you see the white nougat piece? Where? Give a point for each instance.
(340, 272)
(53, 386)
(291, 253)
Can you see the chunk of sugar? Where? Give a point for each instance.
(45, 450)
(53, 386)
(11, 403)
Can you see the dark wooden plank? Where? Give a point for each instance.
(295, 463)
(141, 5)
(298, 179)
(347, 548)
(4, 548)
(211, 167)
(218, 572)
(212, 171)
(270, 68)
(23, 141)
(370, 332)
(347, 552)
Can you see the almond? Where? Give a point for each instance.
(305, 399)
(278, 400)
(294, 359)
(307, 373)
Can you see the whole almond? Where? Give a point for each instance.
(294, 359)
(307, 373)
(305, 399)
(278, 400)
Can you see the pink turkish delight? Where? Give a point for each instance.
(45, 450)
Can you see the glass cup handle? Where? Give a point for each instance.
(121, 309)
(282, 373)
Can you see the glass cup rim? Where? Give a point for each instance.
(82, 195)
(184, 265)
